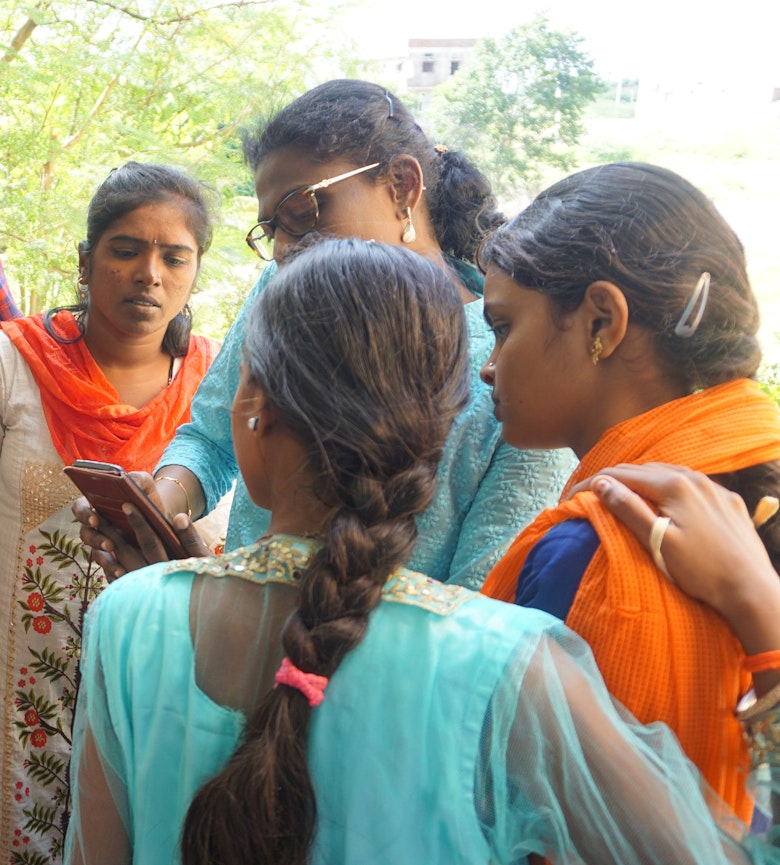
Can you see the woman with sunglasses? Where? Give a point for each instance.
(347, 159)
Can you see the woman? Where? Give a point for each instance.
(109, 379)
(410, 721)
(347, 159)
(622, 295)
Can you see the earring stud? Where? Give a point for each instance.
(253, 422)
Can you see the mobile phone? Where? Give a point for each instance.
(108, 487)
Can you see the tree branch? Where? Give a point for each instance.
(152, 19)
(22, 35)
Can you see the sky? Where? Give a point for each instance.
(623, 38)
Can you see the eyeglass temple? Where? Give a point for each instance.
(323, 184)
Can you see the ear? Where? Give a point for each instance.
(606, 314)
(406, 182)
(258, 405)
(83, 267)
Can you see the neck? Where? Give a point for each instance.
(298, 515)
(431, 250)
(137, 369)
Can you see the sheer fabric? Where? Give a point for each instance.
(460, 730)
(486, 492)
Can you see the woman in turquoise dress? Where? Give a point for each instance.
(348, 159)
(309, 699)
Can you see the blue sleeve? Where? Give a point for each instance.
(516, 487)
(555, 566)
(205, 444)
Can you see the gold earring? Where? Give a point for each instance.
(596, 348)
(410, 232)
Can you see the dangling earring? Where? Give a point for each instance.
(253, 422)
(186, 311)
(596, 348)
(410, 232)
(82, 286)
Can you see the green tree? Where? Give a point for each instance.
(88, 84)
(516, 108)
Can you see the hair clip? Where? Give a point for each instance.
(389, 98)
(685, 327)
(440, 148)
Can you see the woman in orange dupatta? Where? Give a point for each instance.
(109, 379)
(626, 329)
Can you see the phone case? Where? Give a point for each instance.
(108, 487)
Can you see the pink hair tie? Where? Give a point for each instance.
(310, 685)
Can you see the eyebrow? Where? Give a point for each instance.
(180, 247)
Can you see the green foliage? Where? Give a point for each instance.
(769, 379)
(517, 107)
(86, 86)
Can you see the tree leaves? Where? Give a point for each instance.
(517, 106)
(88, 85)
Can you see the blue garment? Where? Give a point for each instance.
(442, 737)
(555, 566)
(487, 491)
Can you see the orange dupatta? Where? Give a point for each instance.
(663, 655)
(85, 418)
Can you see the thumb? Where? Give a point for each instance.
(189, 536)
(626, 505)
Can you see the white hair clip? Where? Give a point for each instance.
(689, 321)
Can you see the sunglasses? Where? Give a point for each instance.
(296, 214)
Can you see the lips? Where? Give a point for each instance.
(147, 302)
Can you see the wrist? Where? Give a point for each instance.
(752, 611)
(174, 495)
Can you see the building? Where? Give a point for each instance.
(434, 61)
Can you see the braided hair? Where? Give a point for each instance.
(360, 348)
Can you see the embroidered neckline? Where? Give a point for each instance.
(281, 559)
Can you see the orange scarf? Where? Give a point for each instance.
(663, 655)
(86, 420)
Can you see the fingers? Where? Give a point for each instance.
(188, 535)
(110, 566)
(82, 511)
(150, 547)
(626, 505)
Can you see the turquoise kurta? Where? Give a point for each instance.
(459, 731)
(486, 493)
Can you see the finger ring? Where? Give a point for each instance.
(657, 532)
(765, 510)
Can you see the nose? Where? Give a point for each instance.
(147, 269)
(488, 372)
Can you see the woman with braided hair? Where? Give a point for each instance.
(307, 698)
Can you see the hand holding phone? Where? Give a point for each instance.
(107, 487)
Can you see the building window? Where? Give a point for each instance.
(454, 66)
(428, 64)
